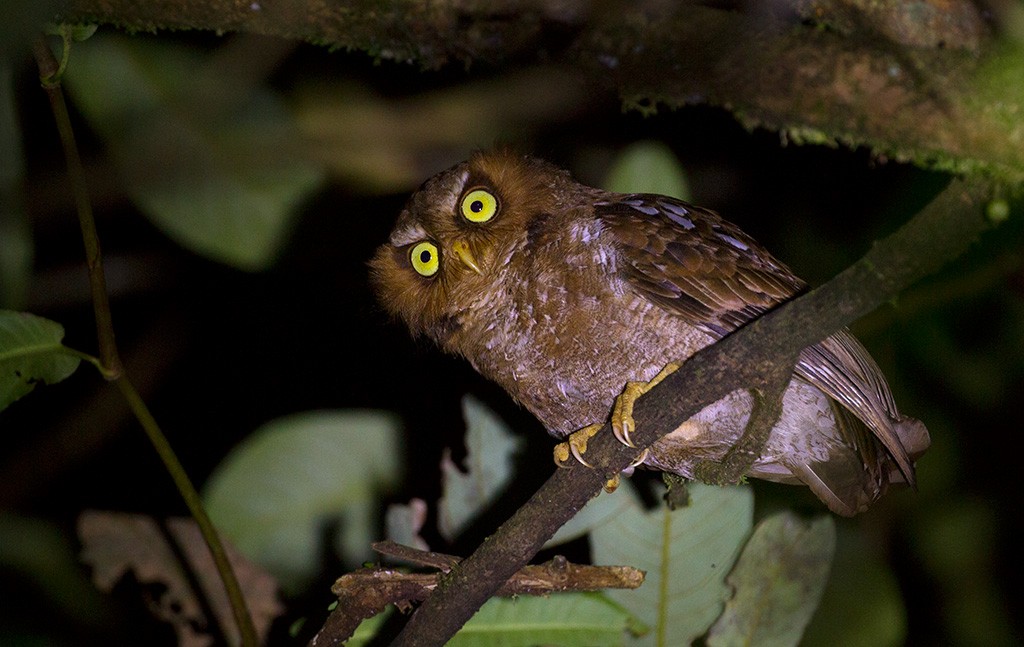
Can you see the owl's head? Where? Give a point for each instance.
(451, 247)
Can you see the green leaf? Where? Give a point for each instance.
(273, 494)
(778, 579)
(648, 167)
(210, 159)
(490, 447)
(77, 33)
(598, 511)
(564, 619)
(30, 352)
(42, 553)
(686, 553)
(15, 233)
(369, 628)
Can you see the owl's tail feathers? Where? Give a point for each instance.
(855, 477)
(838, 483)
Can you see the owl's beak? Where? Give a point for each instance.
(461, 249)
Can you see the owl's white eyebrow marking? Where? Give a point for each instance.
(415, 232)
(408, 236)
(447, 205)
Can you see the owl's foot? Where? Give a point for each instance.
(623, 424)
(576, 446)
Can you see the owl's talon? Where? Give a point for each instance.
(622, 431)
(623, 423)
(576, 446)
(577, 453)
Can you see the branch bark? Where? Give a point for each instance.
(939, 233)
(932, 85)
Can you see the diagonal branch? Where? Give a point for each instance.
(939, 233)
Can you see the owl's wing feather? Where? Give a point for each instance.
(707, 271)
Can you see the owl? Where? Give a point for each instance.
(565, 294)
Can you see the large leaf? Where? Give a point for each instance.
(564, 619)
(490, 447)
(273, 494)
(686, 553)
(212, 161)
(778, 580)
(30, 352)
(596, 513)
(648, 167)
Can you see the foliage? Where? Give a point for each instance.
(30, 352)
(210, 159)
(273, 495)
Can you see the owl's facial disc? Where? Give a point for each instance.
(465, 254)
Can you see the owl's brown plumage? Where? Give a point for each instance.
(562, 293)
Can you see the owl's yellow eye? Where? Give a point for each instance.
(424, 258)
(479, 205)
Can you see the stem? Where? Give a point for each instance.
(49, 71)
(109, 362)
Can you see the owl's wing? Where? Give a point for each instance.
(695, 264)
(707, 271)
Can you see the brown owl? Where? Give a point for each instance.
(562, 294)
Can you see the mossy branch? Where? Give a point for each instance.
(937, 86)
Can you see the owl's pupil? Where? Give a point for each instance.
(425, 256)
(476, 206)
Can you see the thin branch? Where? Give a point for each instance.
(49, 73)
(366, 592)
(411, 555)
(939, 233)
(767, 394)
